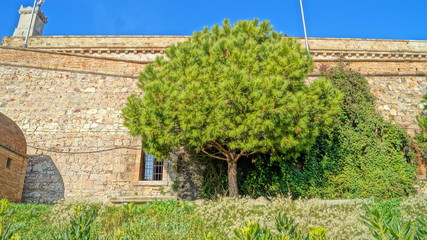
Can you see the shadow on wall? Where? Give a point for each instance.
(186, 171)
(43, 181)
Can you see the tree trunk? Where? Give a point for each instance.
(232, 178)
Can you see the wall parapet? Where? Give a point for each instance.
(40, 59)
(325, 49)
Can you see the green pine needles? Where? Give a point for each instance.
(231, 92)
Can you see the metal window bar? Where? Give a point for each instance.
(158, 171)
(151, 170)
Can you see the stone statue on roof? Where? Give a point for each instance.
(40, 3)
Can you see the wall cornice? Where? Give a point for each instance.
(318, 54)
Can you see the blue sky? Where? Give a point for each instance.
(383, 19)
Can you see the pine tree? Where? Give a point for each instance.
(231, 92)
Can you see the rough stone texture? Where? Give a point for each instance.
(186, 171)
(67, 92)
(43, 181)
(77, 112)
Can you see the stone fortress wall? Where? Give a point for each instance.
(396, 69)
(66, 93)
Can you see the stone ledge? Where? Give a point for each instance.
(384, 74)
(151, 183)
(139, 199)
(421, 177)
(341, 44)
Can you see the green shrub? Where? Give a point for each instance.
(81, 226)
(286, 229)
(361, 155)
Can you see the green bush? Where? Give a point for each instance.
(81, 226)
(286, 229)
(361, 155)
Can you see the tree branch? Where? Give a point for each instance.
(219, 147)
(222, 150)
(239, 155)
(248, 154)
(212, 156)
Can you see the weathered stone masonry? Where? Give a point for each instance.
(67, 92)
(43, 181)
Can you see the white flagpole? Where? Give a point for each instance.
(305, 30)
(29, 26)
(39, 4)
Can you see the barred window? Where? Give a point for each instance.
(151, 170)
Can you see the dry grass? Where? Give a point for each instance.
(341, 219)
(186, 220)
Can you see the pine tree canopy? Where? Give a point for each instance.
(231, 91)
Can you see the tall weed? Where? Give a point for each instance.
(386, 224)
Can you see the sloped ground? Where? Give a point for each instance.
(193, 220)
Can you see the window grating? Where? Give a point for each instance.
(151, 170)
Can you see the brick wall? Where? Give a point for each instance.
(12, 176)
(13, 159)
(11, 135)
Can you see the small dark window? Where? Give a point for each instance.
(8, 163)
(151, 170)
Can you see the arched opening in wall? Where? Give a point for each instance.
(150, 170)
(43, 181)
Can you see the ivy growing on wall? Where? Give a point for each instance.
(362, 155)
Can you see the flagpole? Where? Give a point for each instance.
(29, 26)
(39, 4)
(303, 24)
